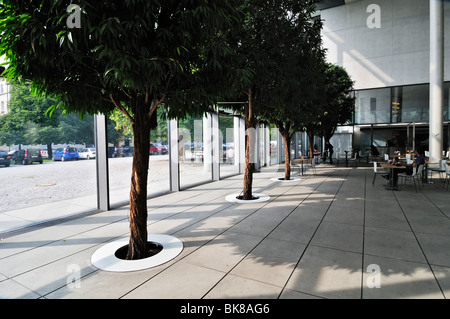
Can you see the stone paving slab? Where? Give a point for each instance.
(318, 237)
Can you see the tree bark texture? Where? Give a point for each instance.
(138, 193)
(249, 149)
(287, 156)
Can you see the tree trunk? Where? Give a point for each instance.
(287, 156)
(138, 193)
(311, 147)
(249, 149)
(49, 150)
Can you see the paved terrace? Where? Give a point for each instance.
(315, 238)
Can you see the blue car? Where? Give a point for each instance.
(65, 153)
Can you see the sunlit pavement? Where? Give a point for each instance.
(332, 235)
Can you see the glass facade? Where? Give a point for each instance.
(403, 104)
(228, 164)
(193, 144)
(120, 158)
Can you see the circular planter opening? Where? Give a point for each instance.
(237, 198)
(152, 249)
(111, 257)
(281, 179)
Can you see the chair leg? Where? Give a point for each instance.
(373, 181)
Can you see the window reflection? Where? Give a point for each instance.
(120, 154)
(228, 164)
(194, 164)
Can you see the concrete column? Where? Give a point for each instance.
(101, 158)
(436, 79)
(216, 146)
(173, 156)
(237, 142)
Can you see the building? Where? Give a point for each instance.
(393, 50)
(5, 89)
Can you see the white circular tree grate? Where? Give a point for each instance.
(105, 257)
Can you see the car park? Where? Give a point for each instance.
(5, 159)
(28, 156)
(158, 148)
(87, 153)
(65, 153)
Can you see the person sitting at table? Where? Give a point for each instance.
(420, 160)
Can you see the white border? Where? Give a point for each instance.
(293, 179)
(232, 199)
(104, 258)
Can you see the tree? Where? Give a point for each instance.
(279, 42)
(135, 56)
(333, 103)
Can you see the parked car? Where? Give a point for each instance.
(65, 153)
(5, 159)
(87, 153)
(13, 154)
(158, 148)
(28, 156)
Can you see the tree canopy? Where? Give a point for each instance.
(133, 56)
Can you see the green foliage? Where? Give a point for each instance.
(126, 52)
(333, 104)
(29, 123)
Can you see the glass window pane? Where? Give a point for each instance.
(228, 164)
(32, 180)
(194, 169)
(373, 106)
(273, 145)
(120, 159)
(447, 101)
(416, 103)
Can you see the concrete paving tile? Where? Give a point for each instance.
(292, 294)
(67, 271)
(347, 213)
(435, 248)
(235, 287)
(328, 273)
(224, 251)
(392, 243)
(180, 281)
(398, 279)
(103, 285)
(9, 223)
(272, 261)
(386, 218)
(297, 228)
(10, 289)
(340, 236)
(442, 275)
(438, 225)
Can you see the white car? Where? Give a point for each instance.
(87, 153)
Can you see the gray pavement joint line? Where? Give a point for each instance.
(436, 206)
(263, 238)
(420, 246)
(219, 234)
(207, 242)
(366, 180)
(73, 218)
(315, 231)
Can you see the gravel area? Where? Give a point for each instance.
(31, 185)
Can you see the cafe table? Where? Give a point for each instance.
(301, 160)
(392, 175)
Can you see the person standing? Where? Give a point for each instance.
(329, 149)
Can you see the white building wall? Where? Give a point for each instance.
(395, 54)
(4, 96)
